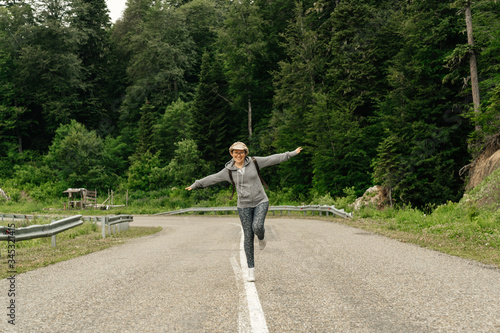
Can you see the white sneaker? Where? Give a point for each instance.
(262, 244)
(251, 275)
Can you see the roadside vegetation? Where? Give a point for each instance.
(469, 228)
(79, 241)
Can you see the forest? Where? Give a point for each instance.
(397, 93)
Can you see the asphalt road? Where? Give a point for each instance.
(313, 276)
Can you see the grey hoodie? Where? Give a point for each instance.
(248, 186)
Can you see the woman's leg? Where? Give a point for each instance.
(252, 221)
(246, 217)
(259, 216)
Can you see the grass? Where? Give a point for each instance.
(452, 228)
(79, 241)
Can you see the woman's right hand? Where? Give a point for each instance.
(188, 188)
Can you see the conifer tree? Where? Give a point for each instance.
(242, 44)
(214, 122)
(420, 110)
(149, 118)
(92, 22)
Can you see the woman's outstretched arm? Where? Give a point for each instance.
(215, 178)
(277, 158)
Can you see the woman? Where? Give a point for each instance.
(252, 199)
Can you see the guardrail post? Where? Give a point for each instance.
(54, 240)
(104, 221)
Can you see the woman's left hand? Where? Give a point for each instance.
(298, 150)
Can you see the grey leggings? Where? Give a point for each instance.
(252, 221)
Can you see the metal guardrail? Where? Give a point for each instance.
(29, 218)
(39, 231)
(16, 216)
(311, 208)
(115, 224)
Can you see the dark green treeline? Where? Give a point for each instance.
(377, 92)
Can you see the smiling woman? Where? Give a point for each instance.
(243, 172)
(116, 8)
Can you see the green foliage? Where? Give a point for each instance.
(143, 173)
(160, 51)
(450, 222)
(486, 20)
(187, 164)
(417, 158)
(149, 118)
(375, 91)
(388, 166)
(115, 155)
(489, 119)
(75, 153)
(172, 128)
(284, 196)
(242, 46)
(213, 122)
(94, 49)
(81, 158)
(340, 158)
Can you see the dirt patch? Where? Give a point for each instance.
(487, 162)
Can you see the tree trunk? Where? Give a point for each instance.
(249, 117)
(20, 143)
(473, 64)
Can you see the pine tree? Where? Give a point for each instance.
(296, 84)
(242, 44)
(172, 128)
(156, 41)
(49, 71)
(92, 22)
(213, 128)
(419, 114)
(149, 118)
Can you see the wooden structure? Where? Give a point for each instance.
(87, 199)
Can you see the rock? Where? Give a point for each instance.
(3, 194)
(375, 196)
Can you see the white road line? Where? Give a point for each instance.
(244, 325)
(257, 318)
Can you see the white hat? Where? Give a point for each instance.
(238, 146)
